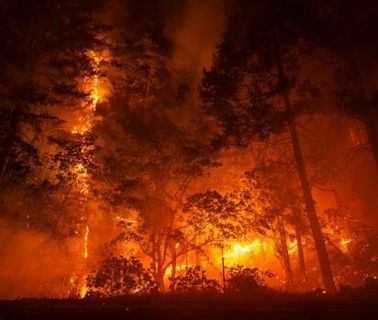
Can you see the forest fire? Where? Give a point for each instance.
(237, 249)
(146, 153)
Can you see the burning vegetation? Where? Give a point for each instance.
(187, 147)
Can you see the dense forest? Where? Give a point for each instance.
(187, 146)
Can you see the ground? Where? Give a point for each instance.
(204, 307)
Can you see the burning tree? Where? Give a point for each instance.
(111, 155)
(42, 69)
(148, 162)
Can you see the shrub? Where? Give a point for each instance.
(120, 276)
(241, 279)
(194, 281)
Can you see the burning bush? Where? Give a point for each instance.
(120, 276)
(241, 279)
(194, 281)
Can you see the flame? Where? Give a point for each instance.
(95, 85)
(83, 291)
(82, 176)
(84, 126)
(292, 246)
(86, 237)
(238, 249)
(344, 244)
(95, 96)
(83, 286)
(91, 84)
(179, 268)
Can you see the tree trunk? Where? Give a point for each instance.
(223, 270)
(320, 246)
(285, 256)
(298, 235)
(159, 278)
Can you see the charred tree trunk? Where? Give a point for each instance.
(285, 255)
(317, 234)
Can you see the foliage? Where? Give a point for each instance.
(241, 279)
(44, 59)
(219, 216)
(194, 281)
(148, 157)
(120, 276)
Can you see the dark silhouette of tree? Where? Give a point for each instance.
(278, 192)
(44, 58)
(148, 160)
(347, 32)
(250, 84)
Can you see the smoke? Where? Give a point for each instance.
(194, 29)
(196, 34)
(33, 264)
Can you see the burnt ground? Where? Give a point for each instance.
(196, 308)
